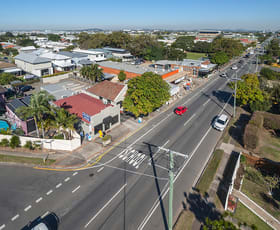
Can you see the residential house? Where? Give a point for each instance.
(15, 119)
(34, 64)
(6, 67)
(59, 62)
(94, 56)
(78, 59)
(122, 54)
(109, 92)
(94, 114)
(27, 49)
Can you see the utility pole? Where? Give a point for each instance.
(171, 181)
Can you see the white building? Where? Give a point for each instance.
(34, 64)
(60, 62)
(93, 56)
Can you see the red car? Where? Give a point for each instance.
(180, 110)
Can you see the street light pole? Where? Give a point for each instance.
(171, 178)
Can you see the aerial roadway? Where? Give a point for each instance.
(128, 187)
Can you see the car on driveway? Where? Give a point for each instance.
(180, 110)
(25, 88)
(234, 67)
(220, 122)
(223, 75)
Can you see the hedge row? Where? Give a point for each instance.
(55, 74)
(252, 130)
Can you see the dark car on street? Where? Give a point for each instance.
(25, 88)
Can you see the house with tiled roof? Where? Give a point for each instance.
(31, 63)
(109, 92)
(94, 114)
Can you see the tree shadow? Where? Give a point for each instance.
(201, 207)
(269, 200)
(236, 131)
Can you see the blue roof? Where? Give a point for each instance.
(32, 58)
(72, 55)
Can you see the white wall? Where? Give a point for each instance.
(55, 79)
(34, 68)
(52, 144)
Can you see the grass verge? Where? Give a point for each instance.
(195, 56)
(259, 194)
(25, 160)
(243, 214)
(185, 221)
(209, 173)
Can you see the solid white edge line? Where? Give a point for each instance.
(99, 170)
(49, 192)
(15, 217)
(67, 179)
(39, 199)
(205, 103)
(157, 202)
(190, 119)
(76, 189)
(2, 226)
(105, 206)
(27, 208)
(46, 213)
(58, 185)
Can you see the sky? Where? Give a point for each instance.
(138, 14)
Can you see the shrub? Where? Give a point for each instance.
(19, 132)
(59, 136)
(14, 142)
(4, 142)
(5, 132)
(106, 137)
(55, 74)
(256, 119)
(251, 136)
(242, 159)
(254, 175)
(29, 145)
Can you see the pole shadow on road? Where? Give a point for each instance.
(163, 212)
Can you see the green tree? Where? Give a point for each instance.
(25, 42)
(248, 90)
(14, 142)
(145, 94)
(97, 71)
(54, 37)
(69, 48)
(1, 48)
(6, 78)
(220, 224)
(184, 42)
(122, 76)
(64, 121)
(219, 58)
(38, 108)
(10, 51)
(272, 183)
(172, 53)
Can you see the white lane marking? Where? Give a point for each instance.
(44, 215)
(99, 170)
(138, 163)
(205, 103)
(15, 217)
(39, 199)
(158, 151)
(92, 219)
(27, 208)
(76, 189)
(67, 179)
(58, 185)
(75, 173)
(49, 192)
(156, 203)
(2, 226)
(190, 119)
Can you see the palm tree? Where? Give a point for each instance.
(39, 106)
(65, 121)
(97, 72)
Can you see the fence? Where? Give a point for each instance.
(55, 79)
(232, 180)
(51, 144)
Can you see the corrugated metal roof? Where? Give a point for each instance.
(72, 55)
(32, 58)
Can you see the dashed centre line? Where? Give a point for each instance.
(46, 213)
(39, 199)
(76, 189)
(58, 185)
(2, 226)
(190, 119)
(75, 173)
(67, 179)
(49, 192)
(27, 208)
(205, 103)
(15, 217)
